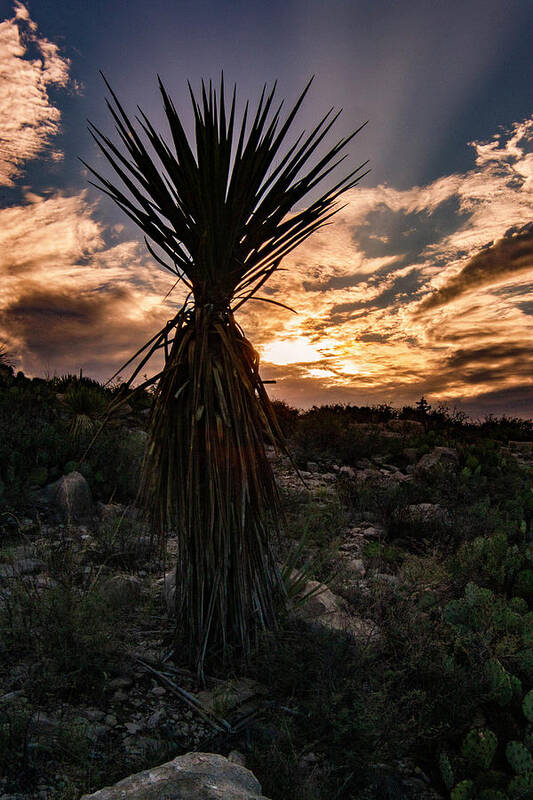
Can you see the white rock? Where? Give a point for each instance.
(194, 776)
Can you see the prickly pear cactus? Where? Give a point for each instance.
(528, 738)
(527, 706)
(518, 604)
(463, 791)
(523, 585)
(516, 686)
(501, 689)
(524, 660)
(519, 757)
(479, 747)
(456, 613)
(521, 787)
(446, 771)
(527, 629)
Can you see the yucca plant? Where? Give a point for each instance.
(86, 404)
(217, 217)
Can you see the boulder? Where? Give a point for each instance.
(324, 609)
(441, 459)
(72, 497)
(407, 427)
(194, 776)
(121, 591)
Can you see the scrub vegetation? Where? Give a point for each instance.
(430, 697)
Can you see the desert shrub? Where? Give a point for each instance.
(62, 621)
(68, 631)
(32, 437)
(287, 417)
(27, 748)
(377, 494)
(419, 527)
(42, 437)
(319, 674)
(489, 561)
(344, 434)
(122, 541)
(322, 517)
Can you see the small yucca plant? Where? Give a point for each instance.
(86, 406)
(219, 213)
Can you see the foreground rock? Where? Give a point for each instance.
(194, 776)
(122, 591)
(441, 459)
(72, 497)
(318, 606)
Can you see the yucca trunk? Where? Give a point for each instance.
(209, 479)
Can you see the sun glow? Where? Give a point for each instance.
(317, 372)
(290, 351)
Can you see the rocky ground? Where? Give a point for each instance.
(145, 708)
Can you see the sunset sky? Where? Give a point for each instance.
(423, 284)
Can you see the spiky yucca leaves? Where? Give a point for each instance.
(221, 217)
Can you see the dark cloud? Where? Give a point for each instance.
(490, 353)
(401, 288)
(336, 282)
(481, 367)
(467, 335)
(90, 329)
(374, 337)
(515, 401)
(505, 258)
(526, 307)
(388, 232)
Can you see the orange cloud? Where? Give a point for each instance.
(70, 298)
(28, 120)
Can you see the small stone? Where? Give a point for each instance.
(121, 682)
(349, 472)
(159, 691)
(356, 565)
(93, 714)
(155, 719)
(132, 727)
(95, 731)
(308, 760)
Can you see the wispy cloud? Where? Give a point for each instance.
(495, 264)
(29, 66)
